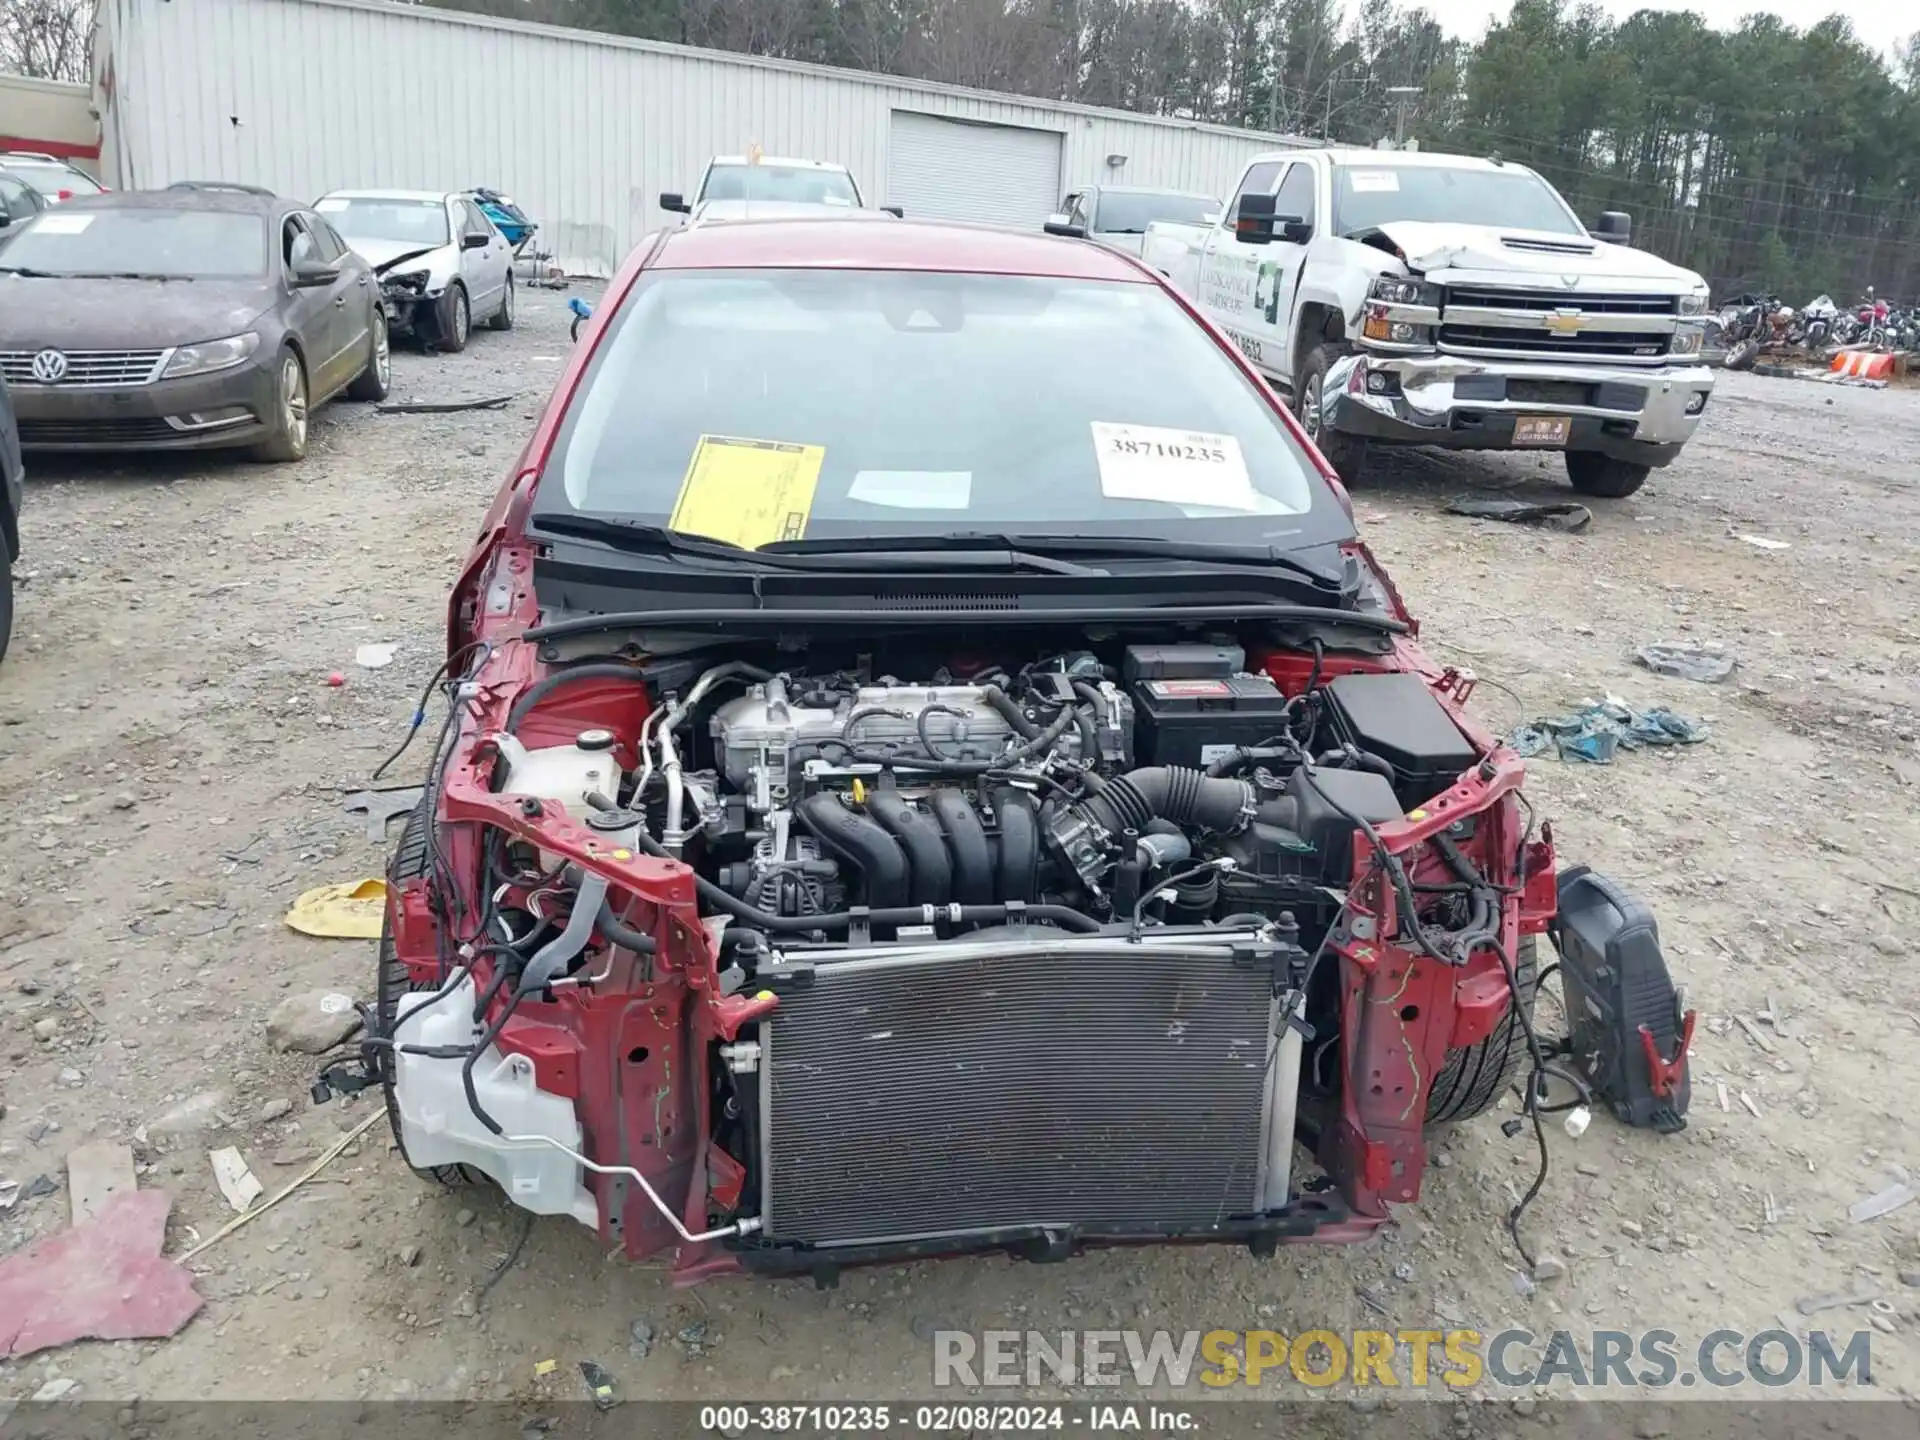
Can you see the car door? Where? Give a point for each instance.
(1277, 281)
(352, 298)
(315, 314)
(1230, 270)
(484, 268)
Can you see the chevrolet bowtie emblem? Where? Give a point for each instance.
(1564, 322)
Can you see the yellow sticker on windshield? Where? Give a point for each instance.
(748, 492)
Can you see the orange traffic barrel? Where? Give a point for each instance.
(1864, 364)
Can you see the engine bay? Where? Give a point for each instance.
(1067, 781)
(1010, 947)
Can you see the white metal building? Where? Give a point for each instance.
(584, 130)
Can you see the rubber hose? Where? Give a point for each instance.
(1019, 844)
(967, 843)
(1010, 712)
(920, 836)
(1169, 792)
(622, 934)
(858, 840)
(540, 689)
(1349, 757)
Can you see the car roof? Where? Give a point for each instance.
(832, 243)
(1416, 159)
(389, 194)
(239, 201)
(1151, 190)
(779, 160)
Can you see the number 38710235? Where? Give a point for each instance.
(1167, 450)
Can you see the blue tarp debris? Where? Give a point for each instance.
(1593, 733)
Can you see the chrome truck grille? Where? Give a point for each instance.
(1079, 1084)
(1477, 320)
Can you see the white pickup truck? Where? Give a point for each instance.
(1421, 299)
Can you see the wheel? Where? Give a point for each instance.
(1346, 453)
(393, 980)
(1603, 476)
(373, 382)
(1742, 354)
(288, 438)
(6, 594)
(456, 319)
(1471, 1079)
(503, 317)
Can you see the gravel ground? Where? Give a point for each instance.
(175, 763)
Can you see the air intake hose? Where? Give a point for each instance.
(1185, 797)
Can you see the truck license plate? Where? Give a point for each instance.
(1542, 430)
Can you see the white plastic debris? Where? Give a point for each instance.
(1577, 1121)
(375, 657)
(238, 1183)
(1766, 544)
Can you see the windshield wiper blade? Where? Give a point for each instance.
(890, 553)
(30, 273)
(1154, 547)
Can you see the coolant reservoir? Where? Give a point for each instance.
(565, 774)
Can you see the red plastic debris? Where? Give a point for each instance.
(336, 679)
(103, 1279)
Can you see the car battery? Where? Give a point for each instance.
(1195, 721)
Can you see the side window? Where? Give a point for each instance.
(473, 221)
(17, 201)
(327, 245)
(1294, 201)
(1257, 181)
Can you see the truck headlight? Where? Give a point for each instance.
(1686, 340)
(206, 356)
(1693, 304)
(1397, 291)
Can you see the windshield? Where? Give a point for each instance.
(168, 244)
(401, 222)
(789, 184)
(1368, 195)
(53, 180)
(752, 406)
(1131, 214)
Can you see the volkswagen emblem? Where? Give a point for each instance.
(49, 367)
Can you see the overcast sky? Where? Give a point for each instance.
(1878, 22)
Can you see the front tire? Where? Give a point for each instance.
(1471, 1079)
(6, 594)
(1743, 354)
(503, 317)
(376, 380)
(1345, 453)
(1604, 477)
(287, 440)
(393, 979)
(456, 319)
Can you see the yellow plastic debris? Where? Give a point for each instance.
(545, 1367)
(341, 912)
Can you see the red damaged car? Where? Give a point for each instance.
(931, 767)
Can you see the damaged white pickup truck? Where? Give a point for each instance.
(1421, 299)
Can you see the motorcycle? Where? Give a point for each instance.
(1815, 325)
(1751, 323)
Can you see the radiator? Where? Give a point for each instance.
(1079, 1083)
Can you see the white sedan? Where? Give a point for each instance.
(442, 264)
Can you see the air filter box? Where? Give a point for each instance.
(1396, 717)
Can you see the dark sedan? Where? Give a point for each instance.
(184, 319)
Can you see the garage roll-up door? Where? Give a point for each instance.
(996, 174)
